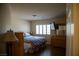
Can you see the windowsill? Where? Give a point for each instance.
(43, 34)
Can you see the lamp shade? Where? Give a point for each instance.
(9, 37)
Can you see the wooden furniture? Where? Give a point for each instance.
(19, 47)
(10, 40)
(58, 41)
(16, 48)
(10, 48)
(14, 43)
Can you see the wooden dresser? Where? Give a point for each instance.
(14, 43)
(58, 41)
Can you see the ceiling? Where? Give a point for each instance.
(42, 11)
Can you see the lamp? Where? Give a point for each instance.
(10, 39)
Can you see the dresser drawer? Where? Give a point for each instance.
(58, 41)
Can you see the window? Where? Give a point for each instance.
(43, 29)
(48, 29)
(37, 29)
(40, 28)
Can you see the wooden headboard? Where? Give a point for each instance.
(19, 47)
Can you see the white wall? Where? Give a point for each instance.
(4, 24)
(5, 17)
(8, 20)
(18, 25)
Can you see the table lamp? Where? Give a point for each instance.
(11, 40)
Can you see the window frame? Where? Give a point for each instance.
(42, 29)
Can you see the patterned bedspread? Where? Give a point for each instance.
(36, 40)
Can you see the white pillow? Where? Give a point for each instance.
(26, 34)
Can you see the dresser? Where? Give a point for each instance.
(58, 41)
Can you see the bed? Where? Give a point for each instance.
(33, 43)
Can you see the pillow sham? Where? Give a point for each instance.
(26, 34)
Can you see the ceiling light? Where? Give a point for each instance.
(34, 15)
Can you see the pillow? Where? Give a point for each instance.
(26, 34)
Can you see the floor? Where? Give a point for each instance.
(48, 51)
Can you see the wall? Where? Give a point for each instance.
(8, 20)
(5, 17)
(5, 23)
(18, 25)
(61, 20)
(0, 19)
